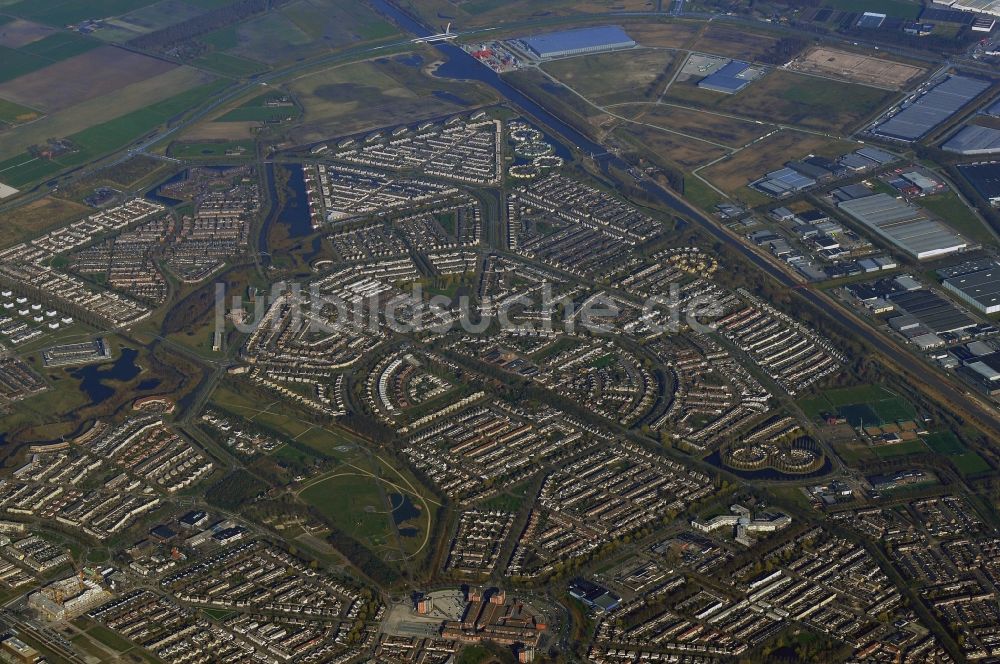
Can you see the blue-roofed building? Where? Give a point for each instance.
(578, 41)
(731, 78)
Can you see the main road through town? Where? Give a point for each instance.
(939, 387)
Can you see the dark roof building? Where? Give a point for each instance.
(931, 108)
(731, 78)
(974, 139)
(980, 289)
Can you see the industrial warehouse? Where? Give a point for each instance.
(731, 78)
(905, 226)
(931, 108)
(985, 178)
(974, 140)
(577, 42)
(981, 288)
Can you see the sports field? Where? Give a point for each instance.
(965, 460)
(864, 405)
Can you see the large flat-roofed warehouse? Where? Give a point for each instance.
(932, 108)
(974, 140)
(905, 226)
(578, 42)
(731, 78)
(933, 311)
(981, 289)
(983, 6)
(985, 178)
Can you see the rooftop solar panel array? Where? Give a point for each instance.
(932, 108)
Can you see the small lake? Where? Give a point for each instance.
(404, 510)
(92, 377)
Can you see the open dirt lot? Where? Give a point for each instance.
(37, 217)
(20, 33)
(659, 33)
(685, 152)
(220, 130)
(770, 154)
(83, 77)
(857, 68)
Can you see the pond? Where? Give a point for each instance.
(92, 377)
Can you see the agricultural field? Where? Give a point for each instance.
(12, 114)
(72, 11)
(129, 99)
(301, 29)
(733, 174)
(377, 93)
(87, 76)
(858, 68)
(37, 54)
(612, 78)
(18, 32)
(789, 98)
(471, 13)
(105, 137)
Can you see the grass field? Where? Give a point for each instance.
(900, 449)
(716, 128)
(966, 461)
(37, 217)
(700, 194)
(257, 110)
(673, 148)
(789, 98)
(230, 65)
(896, 8)
(957, 214)
(211, 149)
(356, 97)
(734, 42)
(15, 114)
(608, 78)
(352, 502)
